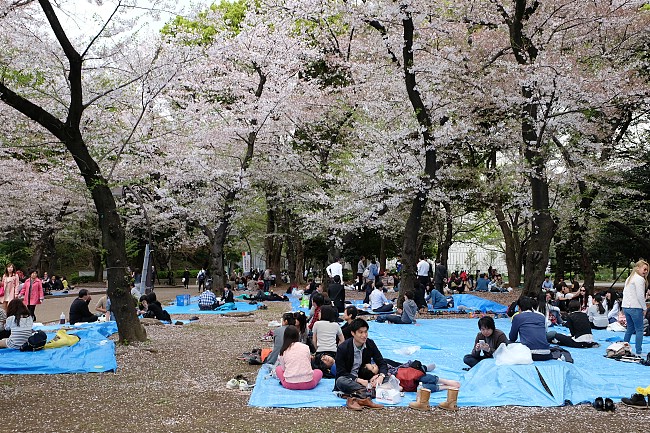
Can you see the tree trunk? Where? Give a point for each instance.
(513, 246)
(45, 242)
(423, 116)
(445, 244)
(69, 133)
(274, 240)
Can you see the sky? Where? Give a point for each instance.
(82, 18)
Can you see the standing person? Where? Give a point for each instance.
(336, 293)
(373, 269)
(19, 322)
(154, 277)
(361, 267)
(186, 279)
(423, 271)
(200, 278)
(335, 268)
(32, 293)
(634, 303)
(440, 277)
(267, 279)
(11, 283)
(398, 264)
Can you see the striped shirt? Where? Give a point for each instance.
(19, 334)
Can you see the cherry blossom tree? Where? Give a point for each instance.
(82, 97)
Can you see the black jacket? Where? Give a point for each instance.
(336, 293)
(79, 312)
(345, 358)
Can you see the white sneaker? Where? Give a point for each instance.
(232, 384)
(244, 386)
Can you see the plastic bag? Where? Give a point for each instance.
(513, 354)
(389, 391)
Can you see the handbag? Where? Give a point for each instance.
(366, 273)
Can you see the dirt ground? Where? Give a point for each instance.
(175, 382)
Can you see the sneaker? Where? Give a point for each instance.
(232, 384)
(637, 400)
(244, 386)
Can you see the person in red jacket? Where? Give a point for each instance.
(32, 293)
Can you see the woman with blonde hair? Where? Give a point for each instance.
(634, 303)
(11, 283)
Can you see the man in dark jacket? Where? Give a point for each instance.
(336, 292)
(79, 311)
(350, 356)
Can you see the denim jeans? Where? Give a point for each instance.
(634, 318)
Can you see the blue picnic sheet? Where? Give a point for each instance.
(94, 353)
(194, 309)
(445, 342)
(465, 302)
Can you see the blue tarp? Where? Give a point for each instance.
(92, 354)
(194, 309)
(468, 303)
(445, 342)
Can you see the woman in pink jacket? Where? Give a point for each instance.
(10, 282)
(32, 293)
(294, 369)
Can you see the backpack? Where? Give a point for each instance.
(409, 378)
(201, 276)
(35, 342)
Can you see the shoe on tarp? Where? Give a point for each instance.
(637, 400)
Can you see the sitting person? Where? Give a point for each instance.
(578, 324)
(419, 296)
(349, 314)
(327, 334)
(294, 363)
(482, 284)
(438, 300)
(347, 367)
(406, 314)
(288, 319)
(208, 300)
(597, 313)
(228, 296)
(3, 320)
(613, 305)
(487, 341)
(530, 327)
(301, 324)
(563, 297)
(378, 301)
(551, 312)
(318, 300)
(79, 311)
(324, 363)
(19, 323)
(155, 310)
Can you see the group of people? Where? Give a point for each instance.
(300, 359)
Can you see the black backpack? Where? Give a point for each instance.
(35, 342)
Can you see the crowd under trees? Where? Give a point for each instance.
(301, 127)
